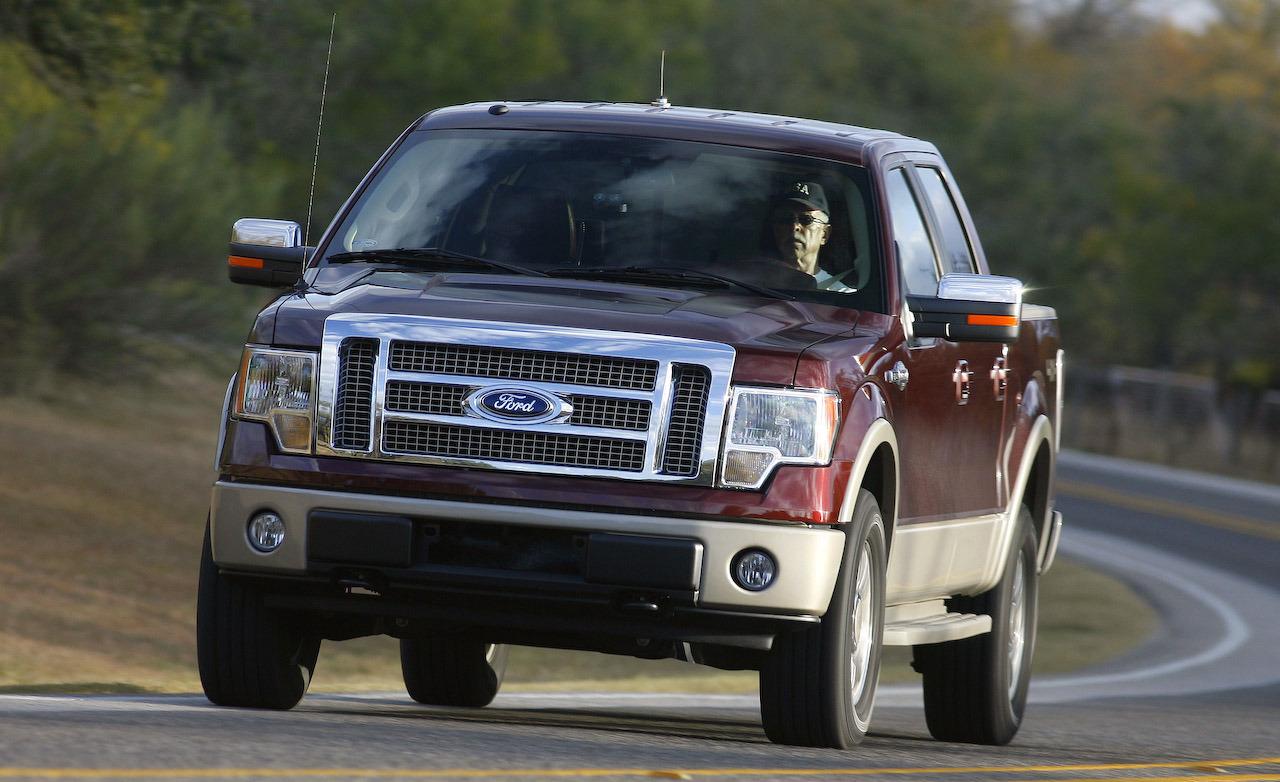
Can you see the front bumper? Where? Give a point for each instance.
(808, 558)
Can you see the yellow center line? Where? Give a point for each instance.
(1159, 507)
(1212, 770)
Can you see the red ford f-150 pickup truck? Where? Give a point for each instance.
(664, 382)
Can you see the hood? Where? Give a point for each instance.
(772, 333)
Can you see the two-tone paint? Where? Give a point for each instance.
(949, 473)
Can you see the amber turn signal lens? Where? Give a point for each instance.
(992, 320)
(247, 263)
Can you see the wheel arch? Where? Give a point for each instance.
(222, 427)
(1033, 488)
(875, 469)
(1037, 494)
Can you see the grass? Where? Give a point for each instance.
(103, 497)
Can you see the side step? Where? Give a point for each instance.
(929, 623)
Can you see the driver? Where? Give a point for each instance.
(801, 225)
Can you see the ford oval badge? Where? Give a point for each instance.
(514, 404)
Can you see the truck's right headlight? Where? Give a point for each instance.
(768, 427)
(278, 387)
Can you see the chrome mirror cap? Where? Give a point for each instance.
(266, 233)
(981, 287)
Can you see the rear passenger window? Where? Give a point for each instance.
(955, 245)
(915, 251)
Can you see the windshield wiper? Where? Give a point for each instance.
(429, 255)
(668, 273)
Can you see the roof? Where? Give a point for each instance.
(849, 143)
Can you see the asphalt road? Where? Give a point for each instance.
(1201, 700)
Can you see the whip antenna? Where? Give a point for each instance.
(315, 162)
(662, 101)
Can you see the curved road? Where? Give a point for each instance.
(1201, 700)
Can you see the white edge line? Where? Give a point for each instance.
(1236, 630)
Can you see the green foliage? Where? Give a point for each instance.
(83, 47)
(1129, 171)
(111, 223)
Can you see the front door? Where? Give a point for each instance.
(947, 417)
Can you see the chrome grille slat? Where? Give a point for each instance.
(610, 413)
(352, 418)
(407, 397)
(404, 396)
(469, 442)
(685, 424)
(536, 365)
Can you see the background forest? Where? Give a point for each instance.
(1126, 168)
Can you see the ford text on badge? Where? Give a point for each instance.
(511, 404)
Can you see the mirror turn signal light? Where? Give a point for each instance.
(993, 320)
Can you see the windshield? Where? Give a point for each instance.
(624, 208)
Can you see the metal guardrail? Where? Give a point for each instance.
(1173, 418)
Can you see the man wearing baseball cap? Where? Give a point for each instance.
(801, 225)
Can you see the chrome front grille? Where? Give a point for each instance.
(411, 437)
(423, 389)
(537, 365)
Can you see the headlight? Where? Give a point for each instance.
(277, 386)
(768, 427)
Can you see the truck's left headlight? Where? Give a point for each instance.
(768, 427)
(278, 387)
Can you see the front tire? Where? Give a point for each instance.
(248, 654)
(818, 686)
(975, 689)
(452, 670)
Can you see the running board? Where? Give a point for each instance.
(929, 623)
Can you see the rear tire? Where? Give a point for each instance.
(818, 686)
(248, 654)
(452, 670)
(975, 689)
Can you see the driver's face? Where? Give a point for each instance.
(799, 233)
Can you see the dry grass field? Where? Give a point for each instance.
(103, 496)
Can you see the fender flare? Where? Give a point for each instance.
(1040, 434)
(878, 434)
(222, 427)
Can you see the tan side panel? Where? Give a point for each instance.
(942, 558)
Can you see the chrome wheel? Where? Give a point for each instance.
(1017, 624)
(863, 626)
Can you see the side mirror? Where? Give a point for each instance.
(266, 252)
(969, 308)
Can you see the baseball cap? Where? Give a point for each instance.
(810, 194)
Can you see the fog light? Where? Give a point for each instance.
(266, 532)
(754, 570)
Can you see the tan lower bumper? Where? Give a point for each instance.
(808, 558)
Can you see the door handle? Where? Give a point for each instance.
(1000, 378)
(963, 379)
(898, 376)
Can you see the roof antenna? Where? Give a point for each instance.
(315, 162)
(662, 101)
